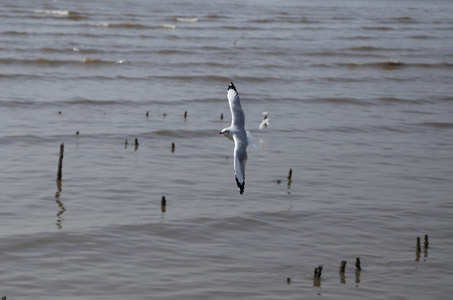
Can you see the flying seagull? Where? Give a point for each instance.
(237, 133)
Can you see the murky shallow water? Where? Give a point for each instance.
(358, 98)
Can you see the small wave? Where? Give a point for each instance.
(182, 134)
(407, 20)
(214, 16)
(377, 28)
(58, 13)
(387, 65)
(37, 61)
(241, 28)
(421, 37)
(83, 101)
(443, 65)
(366, 49)
(122, 62)
(395, 65)
(15, 76)
(204, 78)
(263, 21)
(289, 20)
(440, 125)
(95, 61)
(15, 103)
(123, 25)
(393, 100)
(53, 62)
(13, 32)
(168, 26)
(52, 12)
(188, 20)
(174, 52)
(340, 101)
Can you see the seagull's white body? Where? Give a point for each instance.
(237, 133)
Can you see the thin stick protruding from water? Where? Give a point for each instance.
(357, 264)
(318, 271)
(60, 162)
(418, 244)
(290, 173)
(172, 147)
(426, 241)
(163, 204)
(342, 266)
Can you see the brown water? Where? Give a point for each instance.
(358, 96)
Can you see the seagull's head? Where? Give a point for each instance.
(226, 133)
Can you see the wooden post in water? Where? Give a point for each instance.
(342, 266)
(136, 144)
(172, 147)
(290, 174)
(163, 204)
(60, 162)
(318, 271)
(185, 115)
(317, 277)
(426, 246)
(221, 117)
(357, 264)
(417, 249)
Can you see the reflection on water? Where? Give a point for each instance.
(317, 282)
(357, 277)
(342, 278)
(60, 204)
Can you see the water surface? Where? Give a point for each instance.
(358, 97)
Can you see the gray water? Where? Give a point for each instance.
(358, 97)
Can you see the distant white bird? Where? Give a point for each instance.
(265, 121)
(237, 133)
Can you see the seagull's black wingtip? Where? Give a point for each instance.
(240, 186)
(231, 86)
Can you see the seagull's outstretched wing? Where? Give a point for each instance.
(237, 114)
(250, 140)
(240, 160)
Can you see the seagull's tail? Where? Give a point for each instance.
(240, 185)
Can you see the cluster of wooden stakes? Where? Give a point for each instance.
(318, 270)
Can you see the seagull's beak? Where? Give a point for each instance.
(220, 132)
